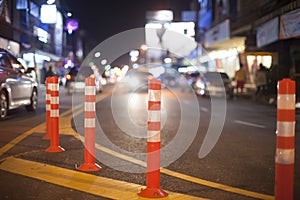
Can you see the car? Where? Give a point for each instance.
(75, 79)
(17, 86)
(213, 84)
(137, 80)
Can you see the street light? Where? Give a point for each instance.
(50, 2)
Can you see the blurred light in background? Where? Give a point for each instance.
(168, 60)
(48, 14)
(97, 54)
(103, 62)
(50, 2)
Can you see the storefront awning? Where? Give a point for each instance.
(50, 55)
(231, 43)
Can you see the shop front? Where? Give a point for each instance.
(41, 61)
(222, 50)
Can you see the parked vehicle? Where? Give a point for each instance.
(75, 79)
(213, 84)
(17, 86)
(137, 80)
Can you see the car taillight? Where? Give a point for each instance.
(68, 77)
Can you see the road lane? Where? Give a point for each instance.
(67, 129)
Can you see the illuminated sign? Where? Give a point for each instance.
(48, 14)
(43, 35)
(71, 25)
(160, 16)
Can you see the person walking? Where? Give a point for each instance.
(50, 72)
(260, 80)
(240, 78)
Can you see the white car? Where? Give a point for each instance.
(17, 87)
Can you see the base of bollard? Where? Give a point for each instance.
(89, 167)
(55, 149)
(153, 193)
(46, 137)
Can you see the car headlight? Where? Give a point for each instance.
(200, 84)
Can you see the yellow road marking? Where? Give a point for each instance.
(15, 141)
(88, 183)
(186, 177)
(217, 185)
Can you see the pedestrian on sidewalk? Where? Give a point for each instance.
(50, 72)
(260, 80)
(240, 78)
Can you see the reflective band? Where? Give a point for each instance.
(285, 156)
(54, 113)
(48, 107)
(48, 96)
(89, 123)
(286, 101)
(54, 100)
(53, 87)
(90, 90)
(154, 116)
(89, 106)
(154, 95)
(285, 129)
(153, 136)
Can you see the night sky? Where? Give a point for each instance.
(101, 19)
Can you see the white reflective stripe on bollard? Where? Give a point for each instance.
(48, 107)
(153, 136)
(89, 106)
(54, 113)
(154, 116)
(48, 96)
(286, 101)
(90, 90)
(154, 95)
(285, 156)
(51, 86)
(89, 123)
(54, 100)
(285, 129)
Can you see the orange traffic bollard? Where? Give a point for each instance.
(285, 153)
(152, 189)
(54, 116)
(89, 127)
(48, 127)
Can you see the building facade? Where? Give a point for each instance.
(253, 32)
(35, 32)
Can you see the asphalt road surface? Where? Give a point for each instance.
(210, 148)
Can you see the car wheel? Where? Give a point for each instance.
(3, 105)
(33, 101)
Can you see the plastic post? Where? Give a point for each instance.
(48, 126)
(285, 145)
(54, 116)
(152, 189)
(89, 127)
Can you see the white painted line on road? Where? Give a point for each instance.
(249, 124)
